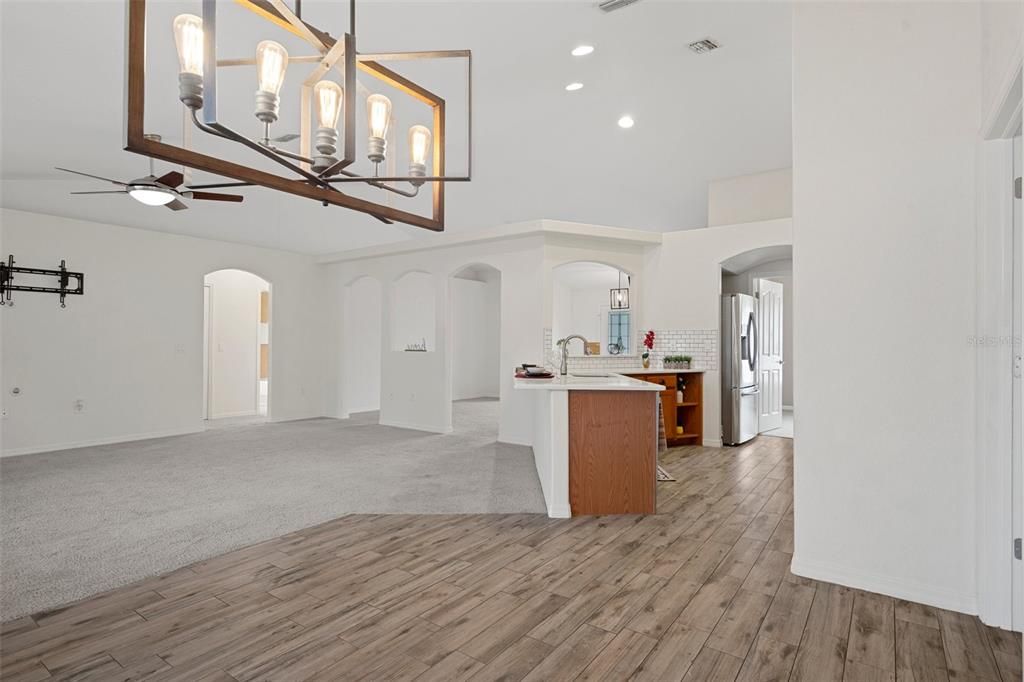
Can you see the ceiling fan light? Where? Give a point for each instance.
(150, 196)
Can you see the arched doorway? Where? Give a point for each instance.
(592, 300)
(236, 351)
(765, 277)
(475, 348)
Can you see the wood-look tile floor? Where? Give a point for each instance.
(700, 591)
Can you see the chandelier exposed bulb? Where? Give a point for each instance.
(328, 98)
(188, 38)
(378, 117)
(271, 62)
(419, 148)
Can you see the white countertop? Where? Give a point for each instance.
(653, 370)
(610, 382)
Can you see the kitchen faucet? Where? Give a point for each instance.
(564, 343)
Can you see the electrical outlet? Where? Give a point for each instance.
(79, 406)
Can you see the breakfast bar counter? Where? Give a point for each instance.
(595, 443)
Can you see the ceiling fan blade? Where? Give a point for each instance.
(220, 185)
(172, 179)
(89, 175)
(177, 205)
(217, 196)
(286, 138)
(113, 191)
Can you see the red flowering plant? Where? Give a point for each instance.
(648, 343)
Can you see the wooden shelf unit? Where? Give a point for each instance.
(688, 414)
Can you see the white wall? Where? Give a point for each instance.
(132, 346)
(885, 120)
(751, 198)
(414, 302)
(360, 382)
(1002, 24)
(476, 319)
(561, 310)
(234, 342)
(416, 388)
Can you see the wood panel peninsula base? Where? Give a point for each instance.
(595, 443)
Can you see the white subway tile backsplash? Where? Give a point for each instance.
(700, 344)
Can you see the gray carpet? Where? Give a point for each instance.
(78, 522)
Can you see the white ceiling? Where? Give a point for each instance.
(539, 152)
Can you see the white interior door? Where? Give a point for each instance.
(769, 375)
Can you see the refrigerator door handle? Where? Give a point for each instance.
(753, 391)
(752, 342)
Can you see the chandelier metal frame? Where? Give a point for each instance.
(331, 53)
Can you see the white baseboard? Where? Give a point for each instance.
(230, 415)
(887, 585)
(787, 408)
(54, 447)
(712, 443)
(510, 441)
(560, 511)
(414, 427)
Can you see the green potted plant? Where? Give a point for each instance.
(684, 361)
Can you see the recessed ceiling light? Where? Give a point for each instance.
(626, 122)
(573, 86)
(582, 50)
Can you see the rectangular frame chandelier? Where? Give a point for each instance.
(315, 177)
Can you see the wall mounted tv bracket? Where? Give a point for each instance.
(63, 275)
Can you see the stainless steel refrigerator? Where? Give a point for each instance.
(739, 368)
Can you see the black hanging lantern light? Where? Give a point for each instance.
(620, 296)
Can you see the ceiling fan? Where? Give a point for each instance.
(157, 191)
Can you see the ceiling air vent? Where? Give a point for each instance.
(703, 46)
(612, 5)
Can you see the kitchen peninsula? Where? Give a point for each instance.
(596, 443)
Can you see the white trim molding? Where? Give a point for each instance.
(887, 585)
(414, 427)
(994, 389)
(131, 438)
